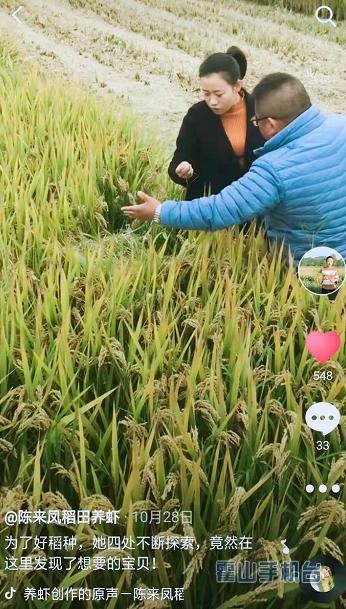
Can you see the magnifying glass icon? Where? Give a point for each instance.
(328, 19)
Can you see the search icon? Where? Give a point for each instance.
(328, 10)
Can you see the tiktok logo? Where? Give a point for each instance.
(10, 593)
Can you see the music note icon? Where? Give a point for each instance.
(10, 593)
(285, 549)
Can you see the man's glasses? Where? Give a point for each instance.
(255, 120)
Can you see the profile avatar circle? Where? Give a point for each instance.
(327, 579)
(322, 271)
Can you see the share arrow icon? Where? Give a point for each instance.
(14, 15)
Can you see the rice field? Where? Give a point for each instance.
(146, 53)
(147, 369)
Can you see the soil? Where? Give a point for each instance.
(44, 39)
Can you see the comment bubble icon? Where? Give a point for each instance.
(323, 417)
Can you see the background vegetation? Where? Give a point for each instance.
(308, 7)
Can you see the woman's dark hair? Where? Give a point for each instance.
(232, 65)
(329, 257)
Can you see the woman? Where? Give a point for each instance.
(330, 278)
(217, 138)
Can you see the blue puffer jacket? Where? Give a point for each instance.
(298, 183)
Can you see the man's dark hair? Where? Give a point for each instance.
(280, 96)
(329, 257)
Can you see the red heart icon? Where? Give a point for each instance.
(322, 345)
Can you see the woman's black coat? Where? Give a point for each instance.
(203, 142)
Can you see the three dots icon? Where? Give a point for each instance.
(322, 488)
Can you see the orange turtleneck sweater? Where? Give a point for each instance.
(235, 125)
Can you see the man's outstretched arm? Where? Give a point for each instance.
(252, 195)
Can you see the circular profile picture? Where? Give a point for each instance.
(322, 271)
(324, 580)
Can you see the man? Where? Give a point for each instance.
(298, 181)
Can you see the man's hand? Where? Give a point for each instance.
(145, 211)
(184, 170)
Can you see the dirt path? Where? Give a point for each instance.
(63, 41)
